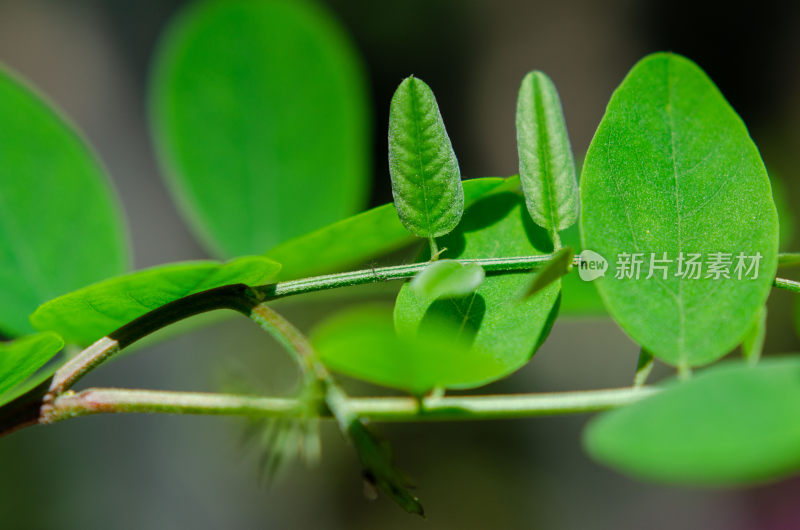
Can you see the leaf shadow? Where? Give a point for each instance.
(465, 313)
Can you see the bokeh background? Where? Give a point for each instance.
(134, 472)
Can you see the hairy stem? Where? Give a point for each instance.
(384, 409)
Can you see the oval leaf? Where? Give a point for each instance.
(493, 317)
(672, 175)
(546, 164)
(19, 359)
(447, 279)
(732, 424)
(426, 181)
(88, 314)
(366, 235)
(259, 112)
(60, 223)
(361, 342)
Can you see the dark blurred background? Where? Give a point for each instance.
(133, 472)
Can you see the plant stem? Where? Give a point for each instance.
(385, 409)
(789, 285)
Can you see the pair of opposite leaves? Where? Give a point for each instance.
(671, 169)
(450, 327)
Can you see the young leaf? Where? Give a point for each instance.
(753, 341)
(356, 239)
(447, 279)
(426, 181)
(546, 164)
(493, 318)
(260, 118)
(643, 368)
(60, 223)
(85, 315)
(672, 173)
(732, 424)
(20, 358)
(551, 271)
(379, 469)
(361, 342)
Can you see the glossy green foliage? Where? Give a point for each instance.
(673, 170)
(60, 226)
(259, 113)
(732, 424)
(19, 359)
(88, 314)
(361, 342)
(356, 239)
(546, 164)
(493, 318)
(426, 181)
(551, 271)
(446, 279)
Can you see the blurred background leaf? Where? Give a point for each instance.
(260, 116)
(732, 424)
(61, 226)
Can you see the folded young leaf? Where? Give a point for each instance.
(546, 164)
(675, 196)
(60, 223)
(732, 424)
(356, 239)
(426, 181)
(379, 469)
(361, 342)
(88, 314)
(643, 368)
(551, 271)
(447, 279)
(19, 359)
(260, 116)
(493, 317)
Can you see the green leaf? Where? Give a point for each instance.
(753, 341)
(19, 359)
(673, 170)
(356, 239)
(88, 314)
(643, 368)
(732, 424)
(379, 468)
(60, 223)
(551, 271)
(361, 342)
(426, 181)
(546, 164)
(447, 279)
(493, 318)
(260, 118)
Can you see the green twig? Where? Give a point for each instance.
(382, 409)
